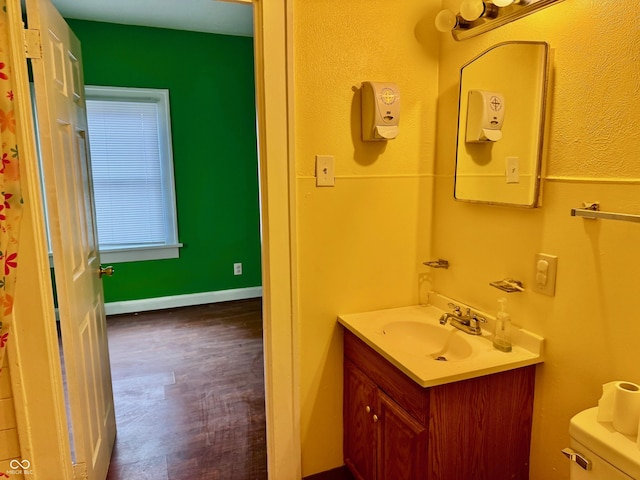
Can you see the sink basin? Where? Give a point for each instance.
(413, 340)
(435, 341)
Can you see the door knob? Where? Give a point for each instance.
(108, 271)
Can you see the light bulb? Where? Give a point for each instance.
(446, 21)
(502, 3)
(471, 9)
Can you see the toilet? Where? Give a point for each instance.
(598, 452)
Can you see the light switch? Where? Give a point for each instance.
(325, 171)
(513, 169)
(546, 270)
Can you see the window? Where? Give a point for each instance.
(132, 169)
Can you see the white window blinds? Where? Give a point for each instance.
(132, 176)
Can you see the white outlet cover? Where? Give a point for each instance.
(546, 269)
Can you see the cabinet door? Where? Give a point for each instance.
(480, 429)
(359, 427)
(402, 447)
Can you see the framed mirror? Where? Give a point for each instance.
(501, 117)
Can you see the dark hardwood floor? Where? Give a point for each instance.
(188, 387)
(341, 473)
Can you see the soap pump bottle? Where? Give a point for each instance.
(502, 337)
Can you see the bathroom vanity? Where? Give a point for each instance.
(466, 418)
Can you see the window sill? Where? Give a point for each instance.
(136, 254)
(139, 254)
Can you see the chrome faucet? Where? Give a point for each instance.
(468, 323)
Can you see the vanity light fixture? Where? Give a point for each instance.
(506, 3)
(480, 16)
(447, 21)
(472, 10)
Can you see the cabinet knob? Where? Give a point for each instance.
(367, 409)
(375, 418)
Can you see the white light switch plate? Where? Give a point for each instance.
(325, 171)
(513, 169)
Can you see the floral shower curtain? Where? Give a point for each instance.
(10, 196)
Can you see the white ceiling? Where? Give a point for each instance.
(210, 16)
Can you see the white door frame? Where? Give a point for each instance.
(33, 350)
(273, 30)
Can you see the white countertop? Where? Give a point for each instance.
(418, 364)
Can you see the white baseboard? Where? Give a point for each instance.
(158, 303)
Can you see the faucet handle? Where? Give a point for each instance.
(475, 320)
(456, 308)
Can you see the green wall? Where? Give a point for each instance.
(211, 87)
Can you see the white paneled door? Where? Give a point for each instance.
(63, 140)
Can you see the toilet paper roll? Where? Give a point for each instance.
(626, 408)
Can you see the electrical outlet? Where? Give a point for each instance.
(325, 171)
(237, 269)
(546, 268)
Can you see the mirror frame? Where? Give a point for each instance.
(541, 127)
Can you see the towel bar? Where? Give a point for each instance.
(592, 210)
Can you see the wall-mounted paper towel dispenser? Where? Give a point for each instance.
(380, 111)
(485, 115)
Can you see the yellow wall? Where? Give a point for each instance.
(360, 242)
(594, 155)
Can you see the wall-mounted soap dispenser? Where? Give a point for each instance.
(380, 111)
(485, 115)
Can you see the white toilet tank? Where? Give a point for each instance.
(598, 452)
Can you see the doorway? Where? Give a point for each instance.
(218, 217)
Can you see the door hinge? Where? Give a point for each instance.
(32, 43)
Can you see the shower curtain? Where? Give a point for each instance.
(10, 196)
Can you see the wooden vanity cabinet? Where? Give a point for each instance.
(360, 433)
(394, 429)
(383, 440)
